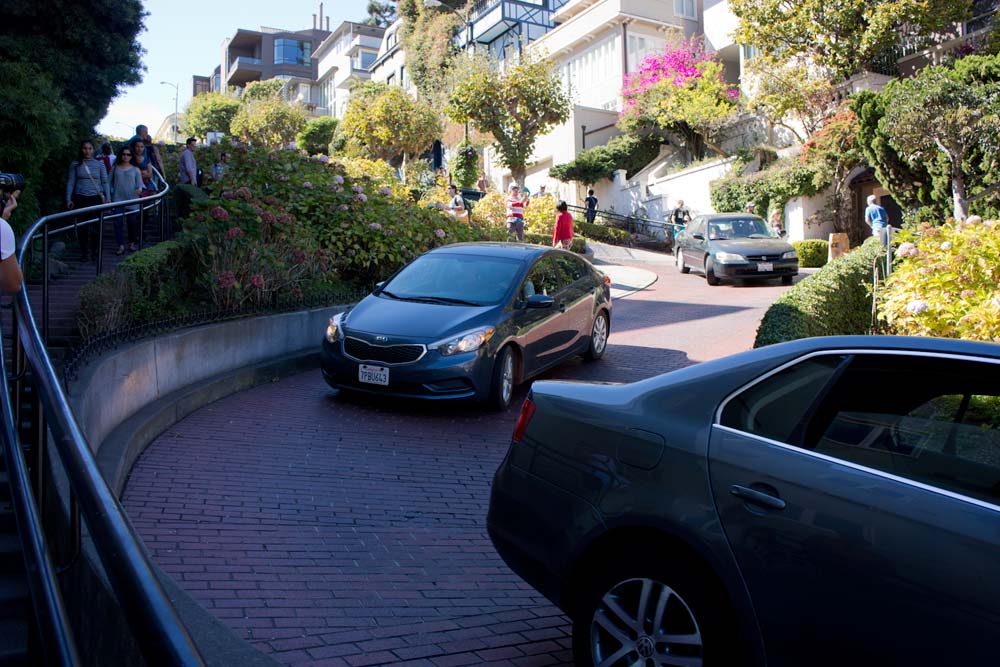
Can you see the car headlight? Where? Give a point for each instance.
(729, 257)
(334, 330)
(790, 255)
(467, 342)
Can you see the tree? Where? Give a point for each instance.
(516, 104)
(380, 14)
(935, 138)
(85, 53)
(270, 122)
(794, 95)
(846, 36)
(210, 112)
(679, 94)
(386, 123)
(427, 37)
(833, 153)
(262, 90)
(317, 135)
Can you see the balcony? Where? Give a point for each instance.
(592, 18)
(492, 18)
(244, 69)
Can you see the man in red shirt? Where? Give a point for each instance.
(515, 213)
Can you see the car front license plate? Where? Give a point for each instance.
(373, 374)
(765, 266)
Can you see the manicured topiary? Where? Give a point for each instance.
(812, 253)
(835, 301)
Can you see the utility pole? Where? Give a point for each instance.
(173, 123)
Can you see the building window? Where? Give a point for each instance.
(686, 9)
(367, 58)
(750, 52)
(391, 79)
(291, 52)
(402, 76)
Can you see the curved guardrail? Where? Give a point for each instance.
(157, 628)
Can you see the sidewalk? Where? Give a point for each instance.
(625, 280)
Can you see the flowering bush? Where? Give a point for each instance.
(945, 282)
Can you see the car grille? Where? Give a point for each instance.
(763, 258)
(387, 354)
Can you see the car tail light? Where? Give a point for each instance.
(527, 412)
(607, 280)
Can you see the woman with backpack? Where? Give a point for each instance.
(87, 185)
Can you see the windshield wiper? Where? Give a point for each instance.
(390, 294)
(442, 299)
(758, 235)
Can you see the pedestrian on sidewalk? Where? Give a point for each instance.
(142, 134)
(877, 219)
(515, 212)
(142, 160)
(86, 185)
(10, 272)
(126, 183)
(106, 157)
(562, 233)
(591, 202)
(189, 166)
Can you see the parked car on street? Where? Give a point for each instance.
(469, 321)
(734, 245)
(829, 501)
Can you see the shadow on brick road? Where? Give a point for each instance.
(644, 314)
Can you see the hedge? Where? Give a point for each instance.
(602, 233)
(812, 253)
(835, 301)
(578, 245)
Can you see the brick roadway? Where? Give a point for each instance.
(341, 531)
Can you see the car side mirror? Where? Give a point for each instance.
(539, 301)
(700, 237)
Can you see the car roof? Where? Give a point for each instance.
(522, 251)
(888, 343)
(721, 217)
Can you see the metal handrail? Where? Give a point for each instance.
(160, 634)
(630, 220)
(54, 630)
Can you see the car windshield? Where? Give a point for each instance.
(740, 228)
(454, 278)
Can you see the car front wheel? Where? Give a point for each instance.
(598, 337)
(710, 276)
(502, 381)
(648, 611)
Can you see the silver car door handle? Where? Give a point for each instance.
(757, 497)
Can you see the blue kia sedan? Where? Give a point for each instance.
(824, 502)
(469, 321)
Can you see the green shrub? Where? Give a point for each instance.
(944, 283)
(578, 245)
(601, 233)
(812, 253)
(315, 138)
(771, 188)
(835, 301)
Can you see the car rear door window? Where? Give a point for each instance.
(931, 420)
(545, 277)
(777, 406)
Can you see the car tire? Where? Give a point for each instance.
(710, 276)
(598, 337)
(787, 280)
(695, 613)
(683, 268)
(502, 381)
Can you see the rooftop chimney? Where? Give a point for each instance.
(328, 24)
(314, 21)
(321, 16)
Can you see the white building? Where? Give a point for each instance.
(344, 58)
(390, 65)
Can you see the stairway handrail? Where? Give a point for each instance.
(160, 634)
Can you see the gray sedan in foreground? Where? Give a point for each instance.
(830, 501)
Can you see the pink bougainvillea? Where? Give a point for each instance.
(680, 66)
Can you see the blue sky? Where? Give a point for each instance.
(184, 38)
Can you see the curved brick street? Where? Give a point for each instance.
(334, 531)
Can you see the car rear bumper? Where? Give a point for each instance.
(462, 376)
(537, 529)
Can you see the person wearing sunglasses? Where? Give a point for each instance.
(126, 183)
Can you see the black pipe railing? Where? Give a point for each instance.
(157, 628)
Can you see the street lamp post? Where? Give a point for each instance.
(173, 123)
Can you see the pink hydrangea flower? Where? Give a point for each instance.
(307, 185)
(375, 226)
(257, 281)
(226, 280)
(323, 158)
(907, 250)
(386, 191)
(338, 179)
(220, 214)
(234, 232)
(244, 193)
(917, 306)
(440, 233)
(357, 189)
(361, 197)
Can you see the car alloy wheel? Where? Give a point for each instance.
(502, 382)
(598, 337)
(644, 622)
(680, 260)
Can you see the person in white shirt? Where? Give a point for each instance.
(10, 272)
